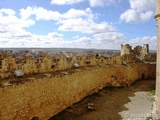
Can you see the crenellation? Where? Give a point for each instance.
(44, 63)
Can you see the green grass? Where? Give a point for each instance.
(153, 92)
(149, 118)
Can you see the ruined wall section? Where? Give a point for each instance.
(115, 59)
(7, 64)
(45, 63)
(45, 97)
(126, 49)
(28, 65)
(139, 52)
(48, 63)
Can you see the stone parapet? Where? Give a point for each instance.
(47, 96)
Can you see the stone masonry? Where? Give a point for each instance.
(157, 17)
(140, 52)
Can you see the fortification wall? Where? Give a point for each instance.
(46, 63)
(140, 52)
(46, 96)
(126, 49)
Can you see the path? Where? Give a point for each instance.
(109, 103)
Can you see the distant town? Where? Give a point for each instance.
(34, 52)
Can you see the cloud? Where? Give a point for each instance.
(133, 16)
(140, 11)
(65, 2)
(94, 3)
(111, 37)
(54, 35)
(66, 21)
(7, 12)
(40, 13)
(84, 22)
(102, 35)
(74, 13)
(13, 27)
(53, 15)
(84, 26)
(152, 41)
(76, 37)
(142, 5)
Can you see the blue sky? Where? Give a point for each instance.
(100, 24)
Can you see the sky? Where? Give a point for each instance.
(99, 24)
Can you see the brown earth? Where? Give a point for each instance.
(107, 103)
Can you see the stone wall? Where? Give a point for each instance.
(46, 63)
(46, 96)
(126, 49)
(140, 52)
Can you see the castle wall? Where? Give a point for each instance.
(46, 96)
(115, 59)
(126, 49)
(141, 52)
(28, 65)
(45, 63)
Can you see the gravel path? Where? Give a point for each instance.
(112, 103)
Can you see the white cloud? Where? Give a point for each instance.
(11, 26)
(110, 40)
(26, 13)
(44, 14)
(142, 5)
(140, 11)
(66, 21)
(84, 22)
(40, 13)
(132, 16)
(152, 41)
(54, 35)
(8, 12)
(84, 26)
(65, 2)
(94, 3)
(76, 37)
(102, 34)
(74, 13)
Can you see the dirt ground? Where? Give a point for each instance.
(106, 104)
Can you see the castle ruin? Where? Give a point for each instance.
(140, 52)
(51, 83)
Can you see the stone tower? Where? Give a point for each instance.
(145, 49)
(141, 52)
(157, 17)
(126, 49)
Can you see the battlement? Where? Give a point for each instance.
(44, 63)
(58, 84)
